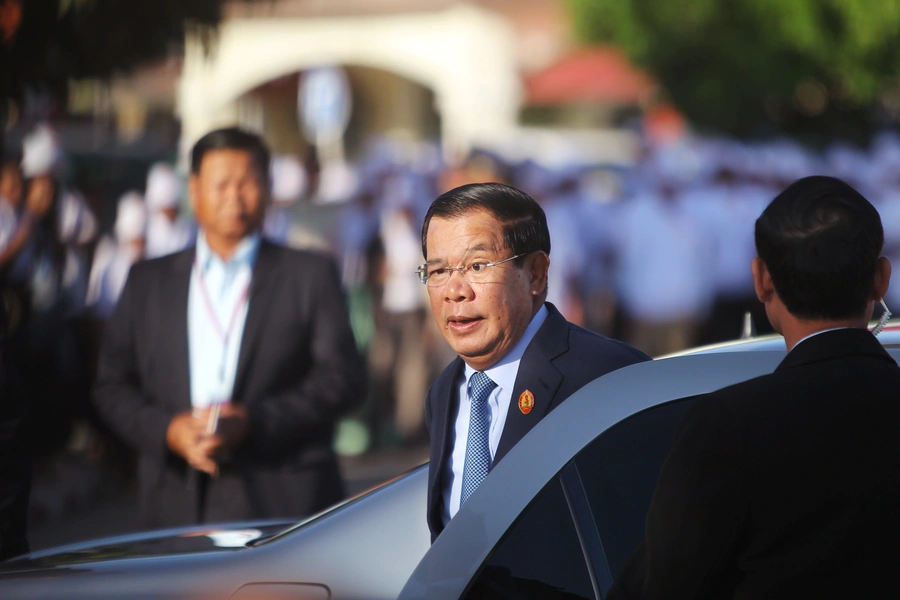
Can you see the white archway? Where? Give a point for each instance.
(464, 54)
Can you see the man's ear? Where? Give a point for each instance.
(538, 266)
(882, 279)
(762, 280)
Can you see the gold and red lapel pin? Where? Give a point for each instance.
(526, 402)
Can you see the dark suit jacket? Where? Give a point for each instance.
(298, 371)
(785, 486)
(560, 360)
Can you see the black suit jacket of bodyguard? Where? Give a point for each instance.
(560, 360)
(298, 370)
(784, 486)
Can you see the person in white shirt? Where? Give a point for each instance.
(166, 232)
(288, 186)
(398, 357)
(664, 272)
(114, 257)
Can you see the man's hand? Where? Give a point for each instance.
(233, 425)
(189, 437)
(186, 436)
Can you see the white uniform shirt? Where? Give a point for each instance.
(214, 363)
(727, 214)
(504, 374)
(77, 224)
(402, 254)
(109, 271)
(165, 237)
(568, 251)
(665, 270)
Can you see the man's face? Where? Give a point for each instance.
(228, 194)
(482, 321)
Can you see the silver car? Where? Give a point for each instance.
(556, 518)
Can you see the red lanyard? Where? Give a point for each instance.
(224, 334)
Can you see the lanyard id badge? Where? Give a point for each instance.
(223, 333)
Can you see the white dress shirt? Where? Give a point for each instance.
(504, 375)
(213, 362)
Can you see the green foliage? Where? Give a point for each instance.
(760, 66)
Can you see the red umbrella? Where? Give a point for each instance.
(592, 74)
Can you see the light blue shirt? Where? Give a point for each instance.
(504, 374)
(213, 360)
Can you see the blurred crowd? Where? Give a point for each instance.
(656, 253)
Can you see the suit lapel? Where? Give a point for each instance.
(443, 423)
(263, 288)
(448, 402)
(538, 376)
(174, 310)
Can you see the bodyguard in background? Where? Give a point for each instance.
(236, 327)
(487, 252)
(788, 485)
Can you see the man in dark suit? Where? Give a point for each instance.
(788, 485)
(227, 365)
(487, 249)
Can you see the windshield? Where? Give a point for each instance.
(337, 508)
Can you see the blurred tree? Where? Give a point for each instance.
(751, 67)
(57, 40)
(46, 43)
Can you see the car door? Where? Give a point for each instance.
(574, 537)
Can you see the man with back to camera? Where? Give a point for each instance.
(788, 485)
(238, 327)
(487, 249)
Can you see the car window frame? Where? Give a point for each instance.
(587, 539)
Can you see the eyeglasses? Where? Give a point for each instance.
(476, 271)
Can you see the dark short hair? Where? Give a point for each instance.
(820, 240)
(523, 220)
(232, 138)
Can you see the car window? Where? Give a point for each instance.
(539, 557)
(619, 470)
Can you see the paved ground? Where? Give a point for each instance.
(72, 500)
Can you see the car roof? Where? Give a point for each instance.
(889, 338)
(457, 554)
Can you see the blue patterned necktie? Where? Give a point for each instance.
(478, 446)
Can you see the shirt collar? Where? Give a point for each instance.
(505, 371)
(244, 254)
